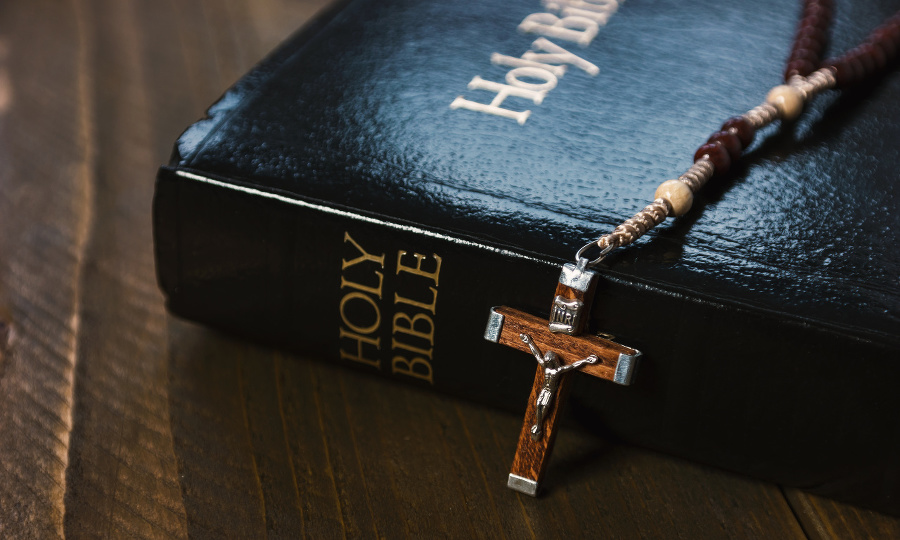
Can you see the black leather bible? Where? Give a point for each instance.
(368, 192)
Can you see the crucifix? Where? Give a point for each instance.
(559, 348)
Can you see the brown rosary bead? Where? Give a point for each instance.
(798, 67)
(818, 9)
(807, 42)
(864, 53)
(885, 44)
(741, 128)
(892, 45)
(855, 68)
(818, 20)
(803, 61)
(716, 154)
(844, 72)
(814, 34)
(852, 70)
(881, 58)
(813, 22)
(805, 54)
(883, 34)
(730, 141)
(880, 48)
(810, 39)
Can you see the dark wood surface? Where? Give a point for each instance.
(117, 420)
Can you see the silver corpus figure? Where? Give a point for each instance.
(552, 372)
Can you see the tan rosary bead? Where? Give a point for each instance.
(677, 194)
(787, 99)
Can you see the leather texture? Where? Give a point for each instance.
(807, 226)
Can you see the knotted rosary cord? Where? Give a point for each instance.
(805, 76)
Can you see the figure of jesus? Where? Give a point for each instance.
(549, 361)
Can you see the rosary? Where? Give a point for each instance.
(562, 346)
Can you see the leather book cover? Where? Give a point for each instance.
(398, 167)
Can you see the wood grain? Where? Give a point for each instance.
(121, 455)
(569, 348)
(47, 159)
(825, 519)
(532, 456)
(118, 421)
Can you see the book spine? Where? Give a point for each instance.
(366, 291)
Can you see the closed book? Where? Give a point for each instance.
(394, 170)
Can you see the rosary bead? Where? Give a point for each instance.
(890, 47)
(815, 21)
(810, 39)
(815, 34)
(845, 72)
(879, 49)
(787, 99)
(805, 54)
(798, 67)
(677, 195)
(879, 55)
(855, 67)
(886, 49)
(819, 10)
(729, 141)
(740, 127)
(802, 62)
(890, 38)
(717, 155)
(880, 34)
(864, 53)
(808, 42)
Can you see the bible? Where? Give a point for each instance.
(397, 169)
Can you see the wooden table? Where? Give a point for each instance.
(118, 420)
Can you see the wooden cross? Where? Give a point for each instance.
(519, 330)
